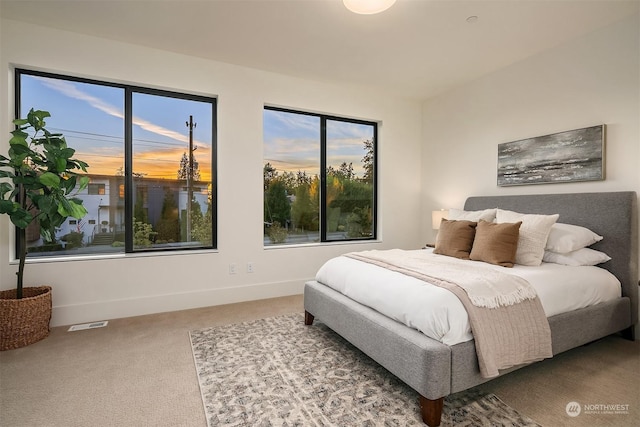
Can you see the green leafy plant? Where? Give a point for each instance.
(277, 233)
(42, 181)
(142, 234)
(73, 239)
(201, 229)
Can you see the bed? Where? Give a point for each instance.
(435, 370)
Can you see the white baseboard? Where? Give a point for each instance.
(114, 309)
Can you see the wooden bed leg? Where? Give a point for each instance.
(308, 318)
(431, 411)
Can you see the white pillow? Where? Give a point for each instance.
(584, 256)
(565, 238)
(533, 234)
(486, 215)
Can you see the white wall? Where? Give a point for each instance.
(86, 290)
(589, 81)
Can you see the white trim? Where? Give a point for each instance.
(129, 307)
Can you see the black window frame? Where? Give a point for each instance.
(129, 90)
(323, 171)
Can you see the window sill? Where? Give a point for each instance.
(76, 258)
(323, 244)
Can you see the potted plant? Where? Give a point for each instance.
(39, 187)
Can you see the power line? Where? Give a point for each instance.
(119, 138)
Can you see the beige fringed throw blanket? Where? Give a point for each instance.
(507, 320)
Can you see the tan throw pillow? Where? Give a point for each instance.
(496, 243)
(455, 238)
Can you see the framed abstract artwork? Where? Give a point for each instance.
(571, 156)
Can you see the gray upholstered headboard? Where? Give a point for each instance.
(612, 215)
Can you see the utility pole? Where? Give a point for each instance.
(191, 125)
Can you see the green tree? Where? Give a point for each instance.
(359, 223)
(138, 208)
(368, 160)
(277, 206)
(183, 172)
(202, 225)
(344, 171)
(196, 215)
(168, 227)
(354, 199)
(269, 174)
(289, 179)
(303, 213)
(353, 194)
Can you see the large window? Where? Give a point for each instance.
(319, 178)
(151, 157)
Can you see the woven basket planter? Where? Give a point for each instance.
(24, 321)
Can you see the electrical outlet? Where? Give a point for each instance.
(249, 267)
(233, 268)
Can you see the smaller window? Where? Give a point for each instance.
(73, 221)
(96, 189)
(319, 178)
(92, 221)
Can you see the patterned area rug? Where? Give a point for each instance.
(279, 372)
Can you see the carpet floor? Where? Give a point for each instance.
(279, 372)
(139, 371)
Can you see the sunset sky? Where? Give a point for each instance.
(292, 142)
(91, 116)
(92, 119)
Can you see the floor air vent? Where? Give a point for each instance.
(92, 325)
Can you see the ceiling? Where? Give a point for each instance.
(416, 49)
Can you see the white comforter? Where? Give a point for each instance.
(439, 314)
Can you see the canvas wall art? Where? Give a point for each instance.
(571, 156)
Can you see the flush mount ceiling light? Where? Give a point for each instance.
(368, 7)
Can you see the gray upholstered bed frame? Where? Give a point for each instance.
(436, 370)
